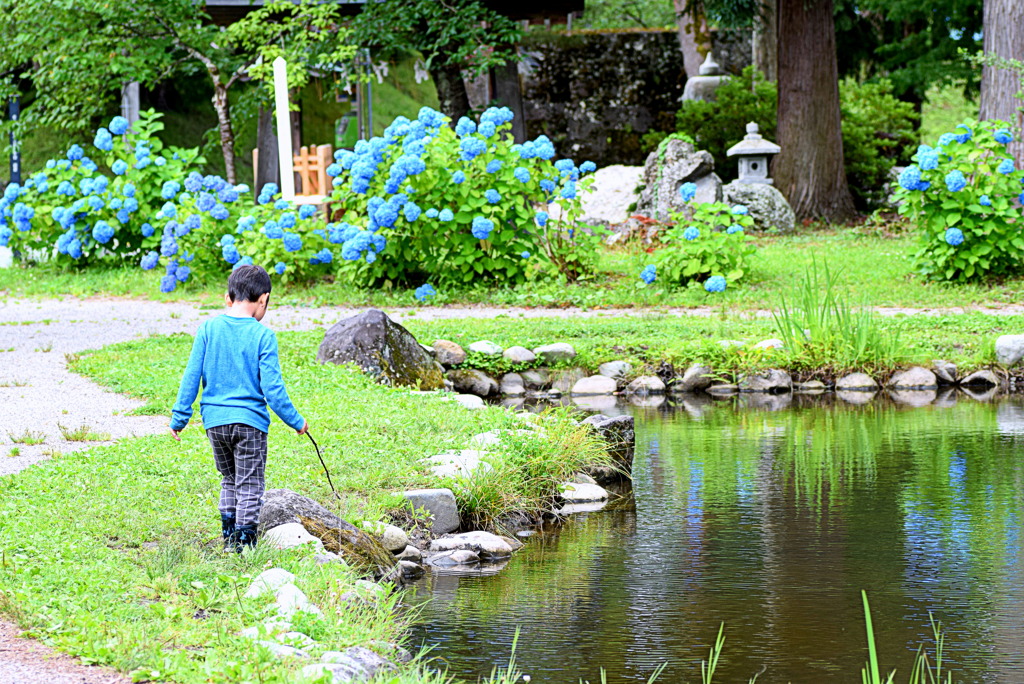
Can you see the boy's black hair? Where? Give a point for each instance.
(248, 283)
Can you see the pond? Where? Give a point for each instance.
(772, 522)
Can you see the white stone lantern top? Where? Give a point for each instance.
(753, 143)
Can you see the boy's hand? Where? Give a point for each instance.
(176, 434)
(304, 430)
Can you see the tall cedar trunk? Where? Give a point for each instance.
(227, 136)
(766, 40)
(693, 35)
(1004, 37)
(810, 169)
(451, 92)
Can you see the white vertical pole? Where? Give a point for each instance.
(284, 129)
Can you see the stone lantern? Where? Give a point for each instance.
(704, 85)
(753, 153)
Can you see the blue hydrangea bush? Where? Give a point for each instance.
(961, 197)
(207, 227)
(96, 206)
(426, 201)
(707, 244)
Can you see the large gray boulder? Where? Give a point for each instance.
(439, 504)
(665, 172)
(283, 506)
(484, 544)
(383, 349)
(553, 353)
(355, 664)
(765, 204)
(858, 382)
(619, 433)
(564, 380)
(595, 384)
(448, 353)
(772, 381)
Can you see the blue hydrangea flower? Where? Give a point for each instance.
(168, 283)
(103, 140)
(150, 261)
(334, 170)
(244, 261)
(929, 160)
(182, 273)
(168, 246)
(965, 136)
(307, 211)
(1003, 136)
(75, 152)
(230, 254)
(524, 255)
(740, 210)
(1005, 167)
(486, 129)
(194, 182)
(128, 190)
(423, 292)
(542, 218)
(910, 177)
(430, 117)
(292, 242)
(687, 191)
(493, 196)
(206, 202)
(465, 126)
(1020, 198)
(588, 167)
(547, 185)
(66, 188)
(471, 148)
(649, 273)
(273, 231)
(954, 237)
(282, 204)
(569, 191)
(458, 177)
(984, 201)
(169, 190)
(493, 166)
(482, 228)
(945, 139)
(228, 194)
(522, 174)
(923, 185)
(432, 213)
(220, 212)
(445, 215)
(411, 211)
(119, 125)
(733, 229)
(955, 181)
(95, 203)
(280, 267)
(691, 233)
(102, 232)
(226, 240)
(715, 284)
(147, 230)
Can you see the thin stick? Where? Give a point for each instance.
(328, 472)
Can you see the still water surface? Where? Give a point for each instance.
(771, 522)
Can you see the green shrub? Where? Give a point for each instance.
(710, 242)
(878, 131)
(961, 197)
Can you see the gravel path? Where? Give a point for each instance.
(38, 396)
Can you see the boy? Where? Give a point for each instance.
(235, 357)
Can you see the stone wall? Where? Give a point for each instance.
(595, 94)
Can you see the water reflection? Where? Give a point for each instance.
(771, 518)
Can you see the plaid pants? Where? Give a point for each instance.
(240, 452)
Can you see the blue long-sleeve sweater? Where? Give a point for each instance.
(236, 361)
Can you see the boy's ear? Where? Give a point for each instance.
(227, 299)
(264, 298)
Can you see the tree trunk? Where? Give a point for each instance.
(1004, 37)
(766, 40)
(227, 136)
(809, 170)
(451, 92)
(693, 36)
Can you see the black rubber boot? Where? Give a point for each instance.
(227, 525)
(245, 537)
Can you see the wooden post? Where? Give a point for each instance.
(266, 166)
(14, 110)
(284, 129)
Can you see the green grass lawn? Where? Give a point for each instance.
(112, 554)
(876, 270)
